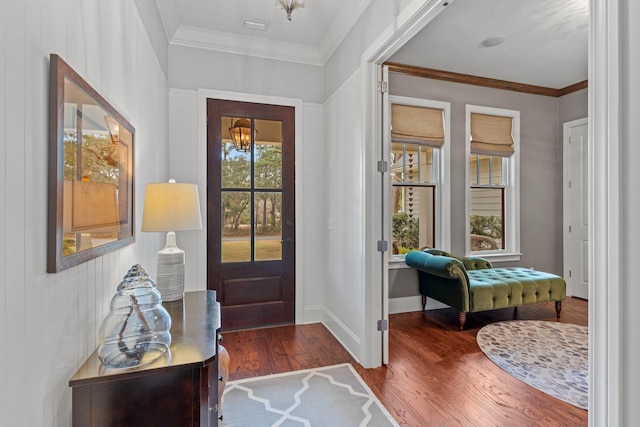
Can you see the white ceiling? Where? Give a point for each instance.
(546, 40)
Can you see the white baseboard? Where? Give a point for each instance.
(349, 340)
(346, 337)
(314, 314)
(414, 303)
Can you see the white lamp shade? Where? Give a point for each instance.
(171, 207)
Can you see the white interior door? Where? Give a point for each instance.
(576, 202)
(386, 222)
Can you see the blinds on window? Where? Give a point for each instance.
(491, 135)
(418, 125)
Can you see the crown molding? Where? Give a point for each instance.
(450, 76)
(245, 45)
(573, 88)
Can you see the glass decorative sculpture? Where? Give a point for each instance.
(136, 330)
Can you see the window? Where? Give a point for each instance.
(493, 175)
(418, 162)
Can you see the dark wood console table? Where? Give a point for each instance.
(178, 389)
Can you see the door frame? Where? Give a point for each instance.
(203, 95)
(605, 264)
(415, 17)
(566, 200)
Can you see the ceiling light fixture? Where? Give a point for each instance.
(289, 6)
(493, 41)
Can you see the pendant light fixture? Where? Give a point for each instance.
(241, 135)
(289, 6)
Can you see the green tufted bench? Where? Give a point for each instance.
(471, 284)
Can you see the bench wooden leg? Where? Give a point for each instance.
(424, 302)
(558, 308)
(462, 318)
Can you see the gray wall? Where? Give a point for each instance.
(540, 167)
(573, 106)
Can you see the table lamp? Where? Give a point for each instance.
(171, 207)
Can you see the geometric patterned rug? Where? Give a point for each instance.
(328, 396)
(550, 356)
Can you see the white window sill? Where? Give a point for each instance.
(498, 256)
(397, 262)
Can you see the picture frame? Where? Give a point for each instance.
(91, 173)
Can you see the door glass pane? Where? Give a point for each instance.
(236, 163)
(268, 154)
(487, 219)
(236, 226)
(268, 226)
(413, 218)
(411, 163)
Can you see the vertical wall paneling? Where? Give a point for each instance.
(344, 214)
(15, 97)
(630, 203)
(90, 333)
(33, 174)
(82, 309)
(185, 167)
(312, 235)
(3, 198)
(58, 315)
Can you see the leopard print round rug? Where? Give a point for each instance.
(550, 356)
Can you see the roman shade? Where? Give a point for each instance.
(491, 135)
(418, 125)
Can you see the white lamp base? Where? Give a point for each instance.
(170, 277)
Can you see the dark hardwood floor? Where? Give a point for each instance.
(436, 376)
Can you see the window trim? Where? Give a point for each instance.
(443, 172)
(511, 251)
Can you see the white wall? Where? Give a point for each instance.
(193, 69)
(48, 322)
(344, 216)
(375, 22)
(245, 77)
(188, 164)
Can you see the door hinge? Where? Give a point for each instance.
(383, 87)
(569, 273)
(569, 229)
(383, 325)
(383, 246)
(383, 166)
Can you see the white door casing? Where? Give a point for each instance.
(575, 207)
(385, 149)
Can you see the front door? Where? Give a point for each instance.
(250, 212)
